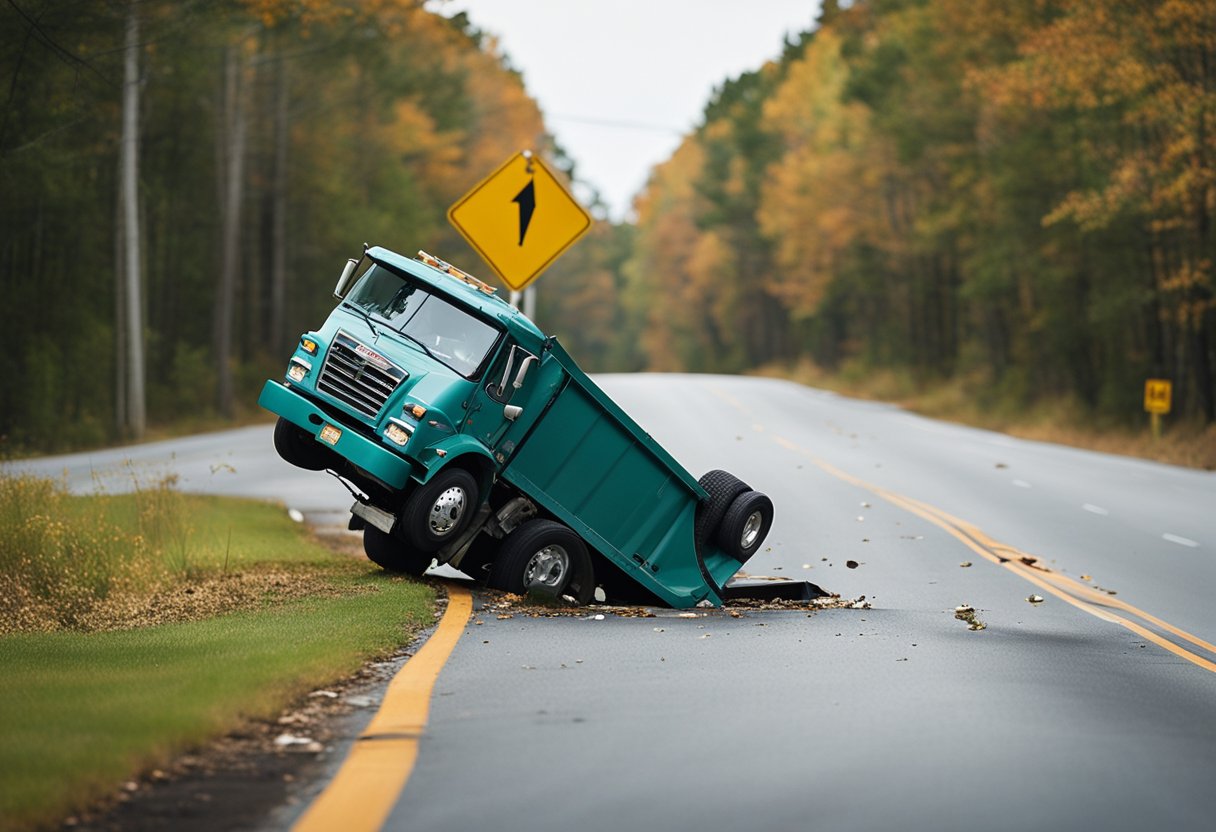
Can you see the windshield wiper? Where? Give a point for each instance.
(366, 317)
(425, 348)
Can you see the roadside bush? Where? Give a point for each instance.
(61, 555)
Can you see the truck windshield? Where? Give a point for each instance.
(446, 332)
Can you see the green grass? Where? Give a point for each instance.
(81, 712)
(205, 532)
(62, 555)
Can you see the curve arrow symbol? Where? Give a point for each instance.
(526, 199)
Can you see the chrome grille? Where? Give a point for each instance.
(358, 375)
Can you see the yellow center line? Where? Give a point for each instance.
(1029, 568)
(363, 792)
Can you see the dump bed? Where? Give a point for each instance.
(597, 471)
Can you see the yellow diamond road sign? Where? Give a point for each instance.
(520, 219)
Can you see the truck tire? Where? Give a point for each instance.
(723, 488)
(745, 525)
(547, 558)
(298, 447)
(391, 554)
(439, 511)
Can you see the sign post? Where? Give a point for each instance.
(1157, 395)
(520, 219)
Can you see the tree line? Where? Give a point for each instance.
(1015, 193)
(182, 181)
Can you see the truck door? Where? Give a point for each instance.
(502, 413)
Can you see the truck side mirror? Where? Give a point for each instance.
(344, 278)
(512, 412)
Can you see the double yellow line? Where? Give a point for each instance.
(364, 790)
(1030, 568)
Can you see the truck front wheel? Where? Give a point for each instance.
(436, 513)
(547, 558)
(390, 553)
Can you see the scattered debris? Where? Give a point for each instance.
(328, 694)
(966, 612)
(852, 564)
(1035, 599)
(297, 743)
(965, 564)
(296, 515)
(1086, 578)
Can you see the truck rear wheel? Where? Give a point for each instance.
(439, 511)
(298, 447)
(547, 558)
(391, 554)
(723, 488)
(745, 525)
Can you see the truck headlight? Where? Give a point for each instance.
(297, 369)
(398, 432)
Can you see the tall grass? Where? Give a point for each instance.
(60, 555)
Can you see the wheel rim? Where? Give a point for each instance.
(447, 511)
(751, 530)
(547, 568)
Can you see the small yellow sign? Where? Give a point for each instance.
(520, 219)
(1157, 394)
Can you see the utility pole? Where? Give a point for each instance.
(136, 412)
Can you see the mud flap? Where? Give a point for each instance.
(745, 589)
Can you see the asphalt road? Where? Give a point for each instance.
(1089, 710)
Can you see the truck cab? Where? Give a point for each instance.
(467, 436)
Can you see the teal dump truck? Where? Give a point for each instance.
(470, 438)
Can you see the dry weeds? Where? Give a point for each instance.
(191, 600)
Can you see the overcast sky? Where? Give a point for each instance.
(620, 81)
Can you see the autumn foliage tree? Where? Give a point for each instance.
(1018, 194)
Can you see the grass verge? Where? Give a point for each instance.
(1061, 422)
(162, 655)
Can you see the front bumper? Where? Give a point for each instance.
(364, 453)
